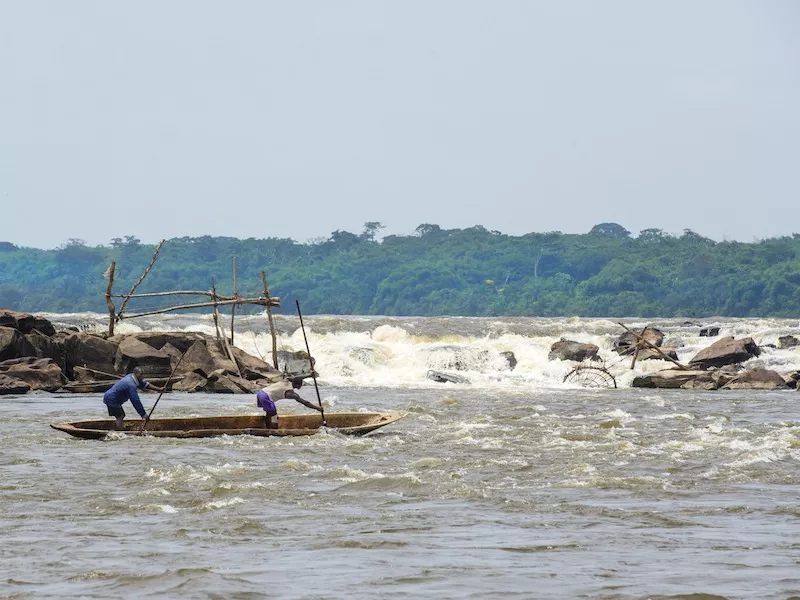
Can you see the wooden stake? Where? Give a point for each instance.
(222, 339)
(109, 303)
(636, 349)
(233, 306)
(135, 285)
(271, 324)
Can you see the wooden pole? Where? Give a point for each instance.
(110, 303)
(311, 364)
(216, 312)
(657, 349)
(135, 285)
(259, 301)
(271, 324)
(166, 385)
(636, 349)
(222, 339)
(233, 306)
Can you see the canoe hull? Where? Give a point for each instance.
(199, 427)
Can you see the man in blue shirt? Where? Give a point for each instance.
(127, 389)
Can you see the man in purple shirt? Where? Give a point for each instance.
(127, 389)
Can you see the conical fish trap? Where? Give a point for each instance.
(591, 376)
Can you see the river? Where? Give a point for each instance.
(515, 485)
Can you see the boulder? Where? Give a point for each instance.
(787, 341)
(197, 359)
(86, 350)
(25, 323)
(253, 368)
(570, 350)
(11, 385)
(182, 340)
(38, 373)
(46, 347)
(709, 332)
(14, 345)
(726, 351)
(626, 342)
(757, 379)
(174, 354)
(668, 378)
(191, 382)
(440, 377)
(132, 352)
(653, 354)
(220, 382)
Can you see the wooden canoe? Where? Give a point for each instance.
(356, 423)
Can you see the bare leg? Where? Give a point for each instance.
(119, 424)
(268, 422)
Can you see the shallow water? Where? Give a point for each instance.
(478, 493)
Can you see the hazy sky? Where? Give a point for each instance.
(296, 119)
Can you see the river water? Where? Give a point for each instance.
(514, 485)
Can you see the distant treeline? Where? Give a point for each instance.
(603, 273)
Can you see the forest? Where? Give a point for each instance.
(605, 272)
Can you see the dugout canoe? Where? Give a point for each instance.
(356, 423)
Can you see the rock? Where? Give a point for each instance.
(11, 385)
(510, 359)
(14, 345)
(653, 354)
(182, 340)
(626, 342)
(83, 375)
(38, 373)
(86, 350)
(253, 368)
(709, 332)
(757, 379)
(674, 342)
(571, 350)
(132, 352)
(726, 351)
(174, 354)
(787, 341)
(197, 359)
(668, 378)
(440, 377)
(191, 382)
(221, 383)
(25, 323)
(46, 348)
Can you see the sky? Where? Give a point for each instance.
(163, 119)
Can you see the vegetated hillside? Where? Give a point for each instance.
(605, 272)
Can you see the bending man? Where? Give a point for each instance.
(285, 388)
(126, 389)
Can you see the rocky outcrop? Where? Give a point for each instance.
(37, 373)
(653, 354)
(756, 379)
(25, 323)
(788, 341)
(13, 344)
(709, 332)
(668, 378)
(75, 361)
(726, 351)
(571, 350)
(11, 385)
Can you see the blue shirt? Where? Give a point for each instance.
(124, 390)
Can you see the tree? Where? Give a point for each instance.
(370, 229)
(610, 229)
